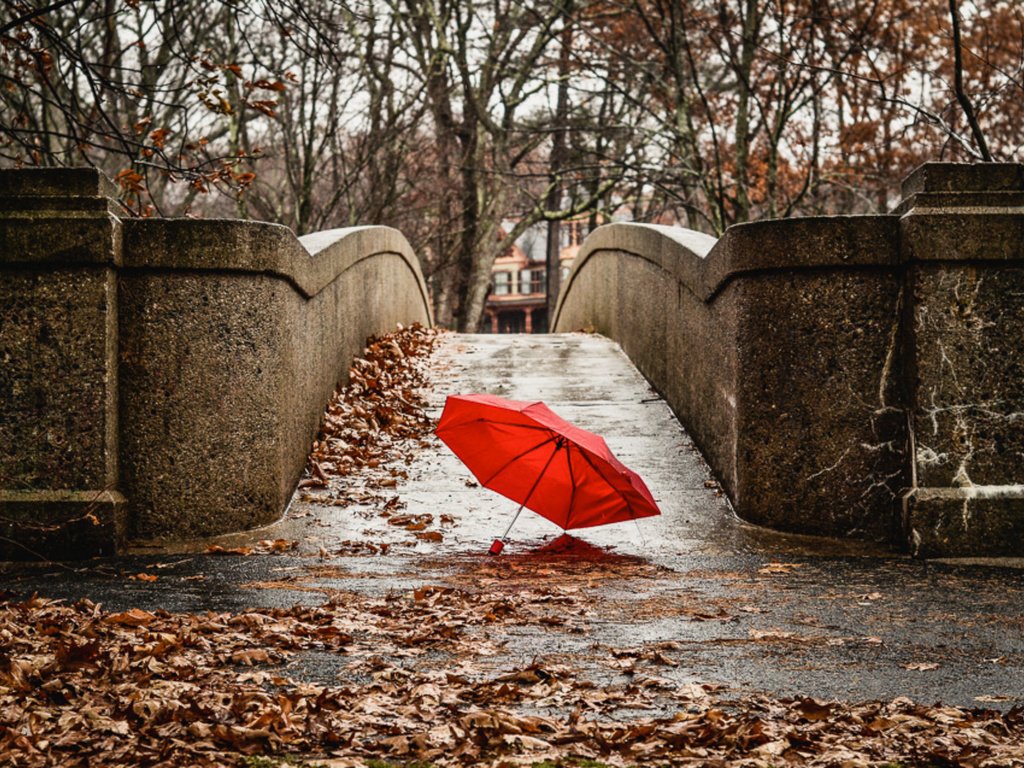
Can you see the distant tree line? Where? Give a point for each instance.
(445, 118)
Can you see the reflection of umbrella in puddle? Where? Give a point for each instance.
(570, 545)
(567, 547)
(525, 452)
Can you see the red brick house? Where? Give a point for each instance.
(517, 302)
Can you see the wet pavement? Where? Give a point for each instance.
(723, 602)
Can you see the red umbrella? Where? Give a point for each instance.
(527, 453)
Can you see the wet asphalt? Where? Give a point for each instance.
(737, 606)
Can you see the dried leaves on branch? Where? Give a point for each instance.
(419, 681)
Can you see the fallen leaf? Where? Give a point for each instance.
(813, 710)
(771, 568)
(250, 656)
(217, 549)
(276, 545)
(135, 617)
(771, 634)
(430, 590)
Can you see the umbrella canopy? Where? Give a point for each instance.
(527, 453)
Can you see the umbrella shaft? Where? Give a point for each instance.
(507, 530)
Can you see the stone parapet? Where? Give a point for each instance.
(965, 325)
(164, 378)
(844, 376)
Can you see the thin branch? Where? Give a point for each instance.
(24, 18)
(961, 94)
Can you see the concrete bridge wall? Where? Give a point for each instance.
(844, 376)
(164, 378)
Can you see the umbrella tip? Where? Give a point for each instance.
(496, 547)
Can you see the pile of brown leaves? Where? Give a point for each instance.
(370, 432)
(379, 408)
(81, 686)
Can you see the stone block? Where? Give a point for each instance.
(58, 360)
(60, 183)
(58, 379)
(960, 178)
(821, 422)
(965, 522)
(60, 525)
(204, 382)
(968, 414)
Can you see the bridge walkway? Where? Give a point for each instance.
(587, 380)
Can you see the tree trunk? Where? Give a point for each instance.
(467, 316)
(557, 160)
(751, 24)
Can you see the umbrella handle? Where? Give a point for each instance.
(499, 544)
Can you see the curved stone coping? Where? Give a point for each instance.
(309, 263)
(705, 265)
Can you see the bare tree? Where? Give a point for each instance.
(958, 80)
(447, 118)
(481, 79)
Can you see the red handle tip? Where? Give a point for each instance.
(496, 547)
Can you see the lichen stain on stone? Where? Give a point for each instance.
(965, 295)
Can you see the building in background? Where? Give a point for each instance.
(517, 302)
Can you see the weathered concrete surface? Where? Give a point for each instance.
(966, 326)
(58, 364)
(172, 371)
(830, 619)
(224, 378)
(816, 361)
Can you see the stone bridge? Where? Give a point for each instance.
(854, 376)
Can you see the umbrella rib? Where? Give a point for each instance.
(517, 425)
(622, 496)
(572, 483)
(533, 488)
(514, 459)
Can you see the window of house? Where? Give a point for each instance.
(532, 281)
(502, 283)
